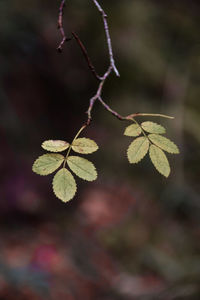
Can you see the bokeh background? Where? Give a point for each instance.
(132, 234)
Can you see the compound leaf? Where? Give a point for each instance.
(132, 130)
(159, 160)
(82, 167)
(55, 145)
(47, 163)
(137, 149)
(84, 146)
(64, 185)
(164, 143)
(152, 127)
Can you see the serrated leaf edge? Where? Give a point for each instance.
(51, 172)
(156, 166)
(144, 154)
(171, 152)
(54, 184)
(82, 169)
(156, 125)
(72, 146)
(138, 134)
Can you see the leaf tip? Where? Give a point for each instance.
(64, 185)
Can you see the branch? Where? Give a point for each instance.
(106, 28)
(127, 118)
(60, 26)
(86, 56)
(94, 98)
(111, 68)
(113, 112)
(150, 115)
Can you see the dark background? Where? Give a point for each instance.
(132, 234)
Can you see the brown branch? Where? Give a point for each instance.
(60, 26)
(112, 66)
(86, 56)
(98, 97)
(102, 79)
(93, 100)
(113, 112)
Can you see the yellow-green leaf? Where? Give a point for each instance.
(84, 146)
(137, 149)
(159, 160)
(47, 163)
(82, 167)
(133, 130)
(55, 145)
(64, 185)
(164, 143)
(152, 127)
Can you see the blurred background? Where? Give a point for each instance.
(132, 234)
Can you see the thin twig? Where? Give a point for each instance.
(60, 26)
(93, 100)
(106, 28)
(149, 115)
(111, 68)
(113, 112)
(85, 54)
(102, 79)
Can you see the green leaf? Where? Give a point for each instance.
(82, 167)
(164, 143)
(132, 130)
(159, 160)
(64, 185)
(152, 127)
(84, 146)
(138, 149)
(55, 145)
(47, 163)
